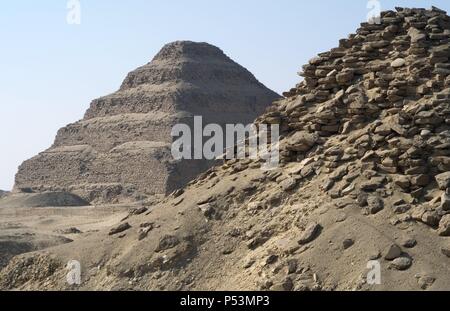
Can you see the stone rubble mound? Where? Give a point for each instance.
(373, 115)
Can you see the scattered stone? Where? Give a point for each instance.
(292, 266)
(206, 200)
(362, 199)
(139, 211)
(339, 173)
(72, 230)
(392, 252)
(409, 243)
(375, 255)
(445, 202)
(260, 238)
(347, 243)
(328, 185)
(146, 225)
(249, 263)
(401, 209)
(310, 234)
(420, 180)
(431, 218)
(302, 141)
(143, 232)
(119, 229)
(288, 184)
(348, 190)
(403, 182)
(177, 193)
(443, 180)
(401, 263)
(399, 62)
(228, 250)
(370, 185)
(285, 286)
(167, 242)
(178, 201)
(207, 210)
(444, 226)
(271, 259)
(374, 204)
(345, 77)
(426, 281)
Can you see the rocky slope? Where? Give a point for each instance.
(363, 176)
(185, 79)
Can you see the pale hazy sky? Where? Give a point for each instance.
(50, 70)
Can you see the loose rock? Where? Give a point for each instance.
(401, 263)
(392, 252)
(311, 232)
(444, 226)
(374, 204)
(121, 228)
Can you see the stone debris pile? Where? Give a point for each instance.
(373, 116)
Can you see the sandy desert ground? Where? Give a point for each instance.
(24, 229)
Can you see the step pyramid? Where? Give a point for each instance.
(121, 148)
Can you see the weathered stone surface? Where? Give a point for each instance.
(444, 226)
(430, 218)
(167, 242)
(302, 141)
(401, 263)
(288, 184)
(144, 230)
(409, 243)
(443, 180)
(374, 204)
(345, 77)
(403, 182)
(399, 62)
(445, 202)
(120, 228)
(426, 281)
(416, 35)
(310, 234)
(392, 252)
(401, 209)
